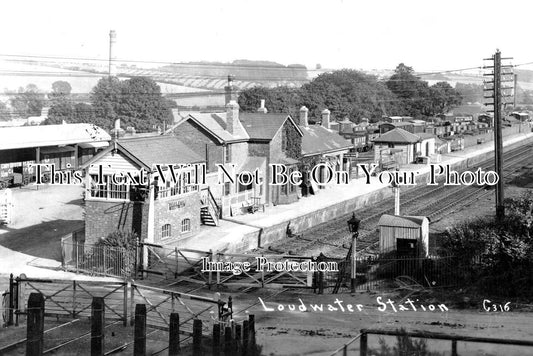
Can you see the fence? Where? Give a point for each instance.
(73, 299)
(379, 272)
(225, 339)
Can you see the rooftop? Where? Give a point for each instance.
(50, 135)
(398, 135)
(401, 221)
(318, 139)
(262, 126)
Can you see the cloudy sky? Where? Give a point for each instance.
(377, 34)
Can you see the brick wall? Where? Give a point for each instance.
(182, 207)
(198, 141)
(104, 217)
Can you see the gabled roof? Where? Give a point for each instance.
(214, 124)
(425, 135)
(318, 139)
(412, 222)
(262, 126)
(50, 135)
(149, 151)
(398, 135)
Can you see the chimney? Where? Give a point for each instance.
(262, 108)
(232, 116)
(303, 116)
(325, 118)
(231, 90)
(112, 40)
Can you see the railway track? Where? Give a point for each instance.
(333, 239)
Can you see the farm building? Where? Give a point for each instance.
(407, 235)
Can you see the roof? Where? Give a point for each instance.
(425, 135)
(215, 123)
(318, 139)
(252, 163)
(159, 150)
(398, 135)
(50, 135)
(412, 222)
(262, 126)
(398, 124)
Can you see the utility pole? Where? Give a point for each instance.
(495, 88)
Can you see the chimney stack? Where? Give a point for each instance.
(112, 40)
(262, 108)
(325, 118)
(232, 116)
(231, 91)
(303, 116)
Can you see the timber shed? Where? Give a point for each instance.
(407, 235)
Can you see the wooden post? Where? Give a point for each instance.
(216, 339)
(454, 347)
(97, 326)
(320, 282)
(139, 346)
(174, 335)
(73, 299)
(197, 337)
(228, 341)
(245, 336)
(210, 275)
(363, 344)
(35, 325)
(132, 303)
(125, 302)
(238, 335)
(251, 336)
(11, 300)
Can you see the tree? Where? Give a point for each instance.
(28, 101)
(60, 89)
(137, 102)
(443, 97)
(61, 106)
(5, 115)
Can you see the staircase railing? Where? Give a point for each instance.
(208, 200)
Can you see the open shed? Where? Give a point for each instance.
(408, 235)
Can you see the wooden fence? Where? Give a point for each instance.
(226, 339)
(73, 298)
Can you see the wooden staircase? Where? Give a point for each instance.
(210, 211)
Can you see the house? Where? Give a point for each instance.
(407, 235)
(320, 144)
(145, 199)
(243, 142)
(406, 146)
(388, 126)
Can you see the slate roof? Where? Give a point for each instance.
(398, 135)
(252, 163)
(214, 123)
(159, 150)
(262, 126)
(425, 135)
(50, 135)
(318, 139)
(412, 222)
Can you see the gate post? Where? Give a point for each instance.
(139, 346)
(35, 325)
(197, 337)
(97, 326)
(174, 335)
(216, 339)
(11, 306)
(363, 344)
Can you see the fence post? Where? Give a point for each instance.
(11, 300)
(228, 341)
(77, 257)
(245, 336)
(197, 337)
(320, 282)
(216, 339)
(73, 299)
(132, 303)
(125, 302)
(238, 335)
(363, 344)
(139, 344)
(251, 335)
(16, 299)
(454, 347)
(174, 335)
(210, 276)
(35, 325)
(97, 326)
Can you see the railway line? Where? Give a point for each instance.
(333, 239)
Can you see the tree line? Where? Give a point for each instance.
(354, 95)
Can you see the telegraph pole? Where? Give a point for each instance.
(495, 87)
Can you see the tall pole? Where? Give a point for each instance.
(354, 263)
(498, 144)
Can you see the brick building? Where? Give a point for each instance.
(154, 206)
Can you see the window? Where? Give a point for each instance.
(165, 231)
(227, 154)
(108, 190)
(391, 145)
(185, 225)
(227, 188)
(185, 183)
(242, 187)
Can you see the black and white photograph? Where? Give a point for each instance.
(264, 178)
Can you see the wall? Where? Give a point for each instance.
(103, 217)
(188, 208)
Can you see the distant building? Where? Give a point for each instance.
(406, 146)
(406, 235)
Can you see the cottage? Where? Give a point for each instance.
(407, 235)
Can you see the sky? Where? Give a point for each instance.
(369, 34)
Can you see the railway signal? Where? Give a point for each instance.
(498, 95)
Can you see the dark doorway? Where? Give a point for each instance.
(406, 247)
